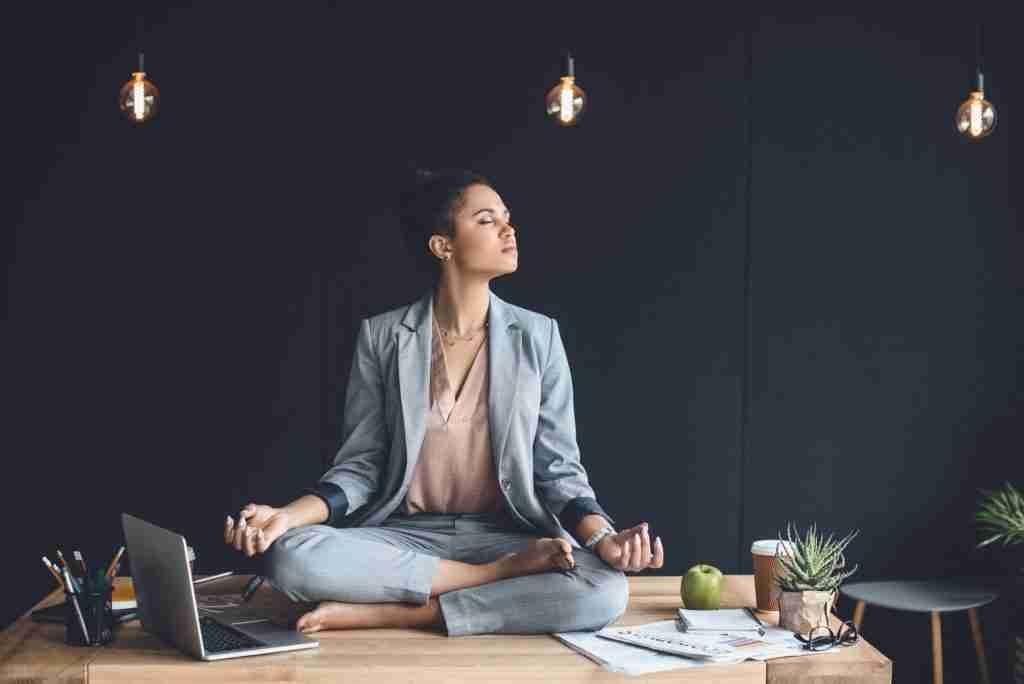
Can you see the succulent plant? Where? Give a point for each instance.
(1001, 516)
(812, 563)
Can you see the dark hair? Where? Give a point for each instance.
(427, 205)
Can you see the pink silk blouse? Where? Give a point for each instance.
(455, 472)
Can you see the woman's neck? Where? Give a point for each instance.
(461, 309)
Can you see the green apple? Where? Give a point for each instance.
(701, 587)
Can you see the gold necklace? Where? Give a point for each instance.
(451, 338)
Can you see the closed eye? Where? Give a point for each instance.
(508, 217)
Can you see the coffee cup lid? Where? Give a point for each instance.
(768, 547)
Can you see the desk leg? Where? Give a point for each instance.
(979, 646)
(936, 648)
(858, 614)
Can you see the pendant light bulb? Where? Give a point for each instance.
(565, 101)
(139, 99)
(976, 117)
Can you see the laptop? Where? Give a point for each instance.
(167, 604)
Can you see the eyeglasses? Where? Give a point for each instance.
(822, 637)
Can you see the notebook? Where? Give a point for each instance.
(722, 620)
(124, 594)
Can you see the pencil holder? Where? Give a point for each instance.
(97, 614)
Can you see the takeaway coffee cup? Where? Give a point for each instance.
(765, 569)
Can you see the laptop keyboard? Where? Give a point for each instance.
(218, 638)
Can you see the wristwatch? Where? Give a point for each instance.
(598, 536)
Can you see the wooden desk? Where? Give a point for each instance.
(35, 652)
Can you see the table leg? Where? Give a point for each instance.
(858, 614)
(979, 646)
(936, 648)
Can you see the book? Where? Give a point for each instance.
(124, 595)
(717, 621)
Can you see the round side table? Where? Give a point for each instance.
(927, 596)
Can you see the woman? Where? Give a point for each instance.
(457, 500)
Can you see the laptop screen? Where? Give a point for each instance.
(163, 583)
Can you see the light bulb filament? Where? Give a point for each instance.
(139, 96)
(565, 108)
(976, 110)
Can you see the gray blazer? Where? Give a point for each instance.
(532, 421)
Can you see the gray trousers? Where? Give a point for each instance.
(397, 561)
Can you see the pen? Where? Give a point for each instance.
(760, 625)
(78, 609)
(53, 571)
(251, 586)
(112, 568)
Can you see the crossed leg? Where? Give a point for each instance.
(382, 577)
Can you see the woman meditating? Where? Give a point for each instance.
(457, 500)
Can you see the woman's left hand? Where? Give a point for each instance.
(631, 550)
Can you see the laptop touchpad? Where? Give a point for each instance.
(268, 631)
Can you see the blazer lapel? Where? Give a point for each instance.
(413, 346)
(505, 351)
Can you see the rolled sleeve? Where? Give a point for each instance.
(579, 508)
(334, 497)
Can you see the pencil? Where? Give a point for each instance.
(81, 561)
(112, 568)
(53, 571)
(204, 580)
(60, 558)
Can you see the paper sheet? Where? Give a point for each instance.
(616, 656)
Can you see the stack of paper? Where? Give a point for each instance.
(618, 657)
(659, 646)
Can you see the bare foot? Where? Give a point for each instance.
(336, 615)
(327, 615)
(540, 555)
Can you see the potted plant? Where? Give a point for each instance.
(1000, 518)
(808, 576)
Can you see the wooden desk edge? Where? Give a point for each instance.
(876, 666)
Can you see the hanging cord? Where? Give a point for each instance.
(978, 54)
(138, 41)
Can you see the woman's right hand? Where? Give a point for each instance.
(257, 528)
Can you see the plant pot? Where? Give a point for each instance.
(802, 611)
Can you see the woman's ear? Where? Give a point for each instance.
(439, 246)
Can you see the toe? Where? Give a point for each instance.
(308, 622)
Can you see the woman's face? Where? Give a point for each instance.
(483, 235)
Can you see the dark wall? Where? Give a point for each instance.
(884, 333)
(787, 289)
